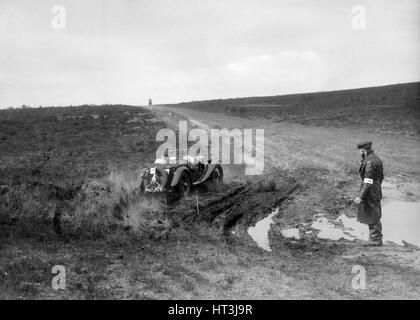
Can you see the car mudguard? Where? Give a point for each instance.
(209, 171)
(177, 175)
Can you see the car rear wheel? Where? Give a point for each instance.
(184, 185)
(217, 179)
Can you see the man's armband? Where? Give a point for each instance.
(368, 181)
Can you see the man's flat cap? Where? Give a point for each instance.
(364, 145)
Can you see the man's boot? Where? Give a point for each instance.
(375, 235)
(373, 243)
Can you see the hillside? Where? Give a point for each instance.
(75, 142)
(391, 109)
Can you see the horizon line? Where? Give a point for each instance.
(212, 99)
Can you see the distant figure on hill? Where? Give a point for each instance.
(150, 102)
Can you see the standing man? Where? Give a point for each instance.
(369, 200)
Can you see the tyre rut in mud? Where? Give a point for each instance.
(237, 203)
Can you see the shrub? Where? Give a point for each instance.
(147, 217)
(111, 205)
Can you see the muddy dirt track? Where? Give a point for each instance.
(315, 171)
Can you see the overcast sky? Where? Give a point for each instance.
(183, 50)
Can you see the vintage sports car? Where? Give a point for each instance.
(172, 177)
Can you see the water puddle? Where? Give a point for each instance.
(400, 225)
(259, 233)
(329, 230)
(341, 228)
(401, 222)
(291, 233)
(354, 228)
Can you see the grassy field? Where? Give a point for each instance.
(87, 140)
